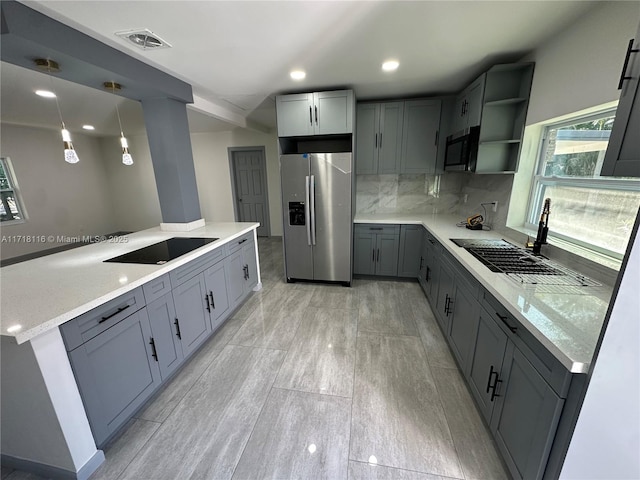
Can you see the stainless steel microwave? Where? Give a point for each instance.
(462, 150)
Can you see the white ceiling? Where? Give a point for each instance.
(237, 55)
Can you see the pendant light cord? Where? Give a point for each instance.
(56, 97)
(117, 110)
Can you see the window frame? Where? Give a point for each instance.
(539, 181)
(15, 189)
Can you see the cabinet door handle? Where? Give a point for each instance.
(213, 304)
(427, 275)
(177, 324)
(316, 107)
(421, 262)
(310, 116)
(376, 141)
(449, 306)
(504, 320)
(248, 275)
(120, 309)
(380, 139)
(446, 304)
(373, 255)
(493, 387)
(154, 353)
(630, 50)
(206, 297)
(378, 257)
(437, 135)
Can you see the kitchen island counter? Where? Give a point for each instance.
(41, 294)
(568, 325)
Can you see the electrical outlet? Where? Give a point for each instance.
(495, 206)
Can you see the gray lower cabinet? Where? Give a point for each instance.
(242, 270)
(526, 417)
(464, 318)
(165, 329)
(191, 301)
(116, 372)
(410, 250)
(429, 267)
(215, 279)
(445, 296)
(485, 370)
(376, 250)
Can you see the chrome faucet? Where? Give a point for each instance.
(543, 228)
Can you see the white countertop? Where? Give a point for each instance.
(568, 325)
(41, 294)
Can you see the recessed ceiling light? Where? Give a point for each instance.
(390, 65)
(88, 127)
(298, 74)
(45, 93)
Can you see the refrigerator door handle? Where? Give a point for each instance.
(307, 219)
(312, 207)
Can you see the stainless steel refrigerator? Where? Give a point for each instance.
(316, 197)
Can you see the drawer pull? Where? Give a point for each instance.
(376, 228)
(242, 241)
(504, 320)
(177, 324)
(120, 309)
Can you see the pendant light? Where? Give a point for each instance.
(127, 159)
(70, 155)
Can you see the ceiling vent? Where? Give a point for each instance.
(144, 39)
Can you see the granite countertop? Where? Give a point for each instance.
(41, 294)
(568, 325)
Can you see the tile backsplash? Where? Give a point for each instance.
(434, 193)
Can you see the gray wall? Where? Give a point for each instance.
(134, 197)
(60, 199)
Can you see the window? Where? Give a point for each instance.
(10, 207)
(586, 209)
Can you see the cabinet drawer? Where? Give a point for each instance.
(196, 266)
(377, 228)
(156, 288)
(83, 328)
(238, 243)
(554, 373)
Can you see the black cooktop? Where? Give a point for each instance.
(161, 252)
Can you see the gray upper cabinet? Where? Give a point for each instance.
(191, 303)
(165, 329)
(379, 137)
(623, 153)
(116, 372)
(467, 108)
(420, 136)
(410, 250)
(320, 113)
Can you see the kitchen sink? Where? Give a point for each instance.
(522, 266)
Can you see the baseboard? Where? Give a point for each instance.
(50, 471)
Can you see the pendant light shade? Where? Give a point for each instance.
(127, 159)
(70, 155)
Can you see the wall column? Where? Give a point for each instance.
(170, 146)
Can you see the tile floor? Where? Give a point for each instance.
(312, 381)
